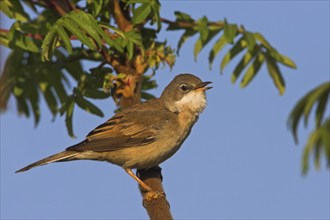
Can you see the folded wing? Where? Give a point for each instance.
(129, 129)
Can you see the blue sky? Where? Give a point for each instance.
(240, 161)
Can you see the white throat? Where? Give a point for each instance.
(194, 101)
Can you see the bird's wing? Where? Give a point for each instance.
(132, 128)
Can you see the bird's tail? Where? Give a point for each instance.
(62, 156)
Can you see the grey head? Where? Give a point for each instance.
(185, 92)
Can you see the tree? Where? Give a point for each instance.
(117, 36)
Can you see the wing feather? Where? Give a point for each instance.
(126, 129)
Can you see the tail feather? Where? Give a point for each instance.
(62, 156)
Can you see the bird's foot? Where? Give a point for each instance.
(152, 196)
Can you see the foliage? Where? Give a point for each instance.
(255, 49)
(112, 47)
(319, 139)
(121, 38)
(84, 27)
(26, 77)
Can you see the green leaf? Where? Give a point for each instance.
(203, 28)
(121, 76)
(180, 16)
(250, 39)
(84, 27)
(246, 59)
(64, 37)
(319, 94)
(235, 50)
(14, 9)
(4, 39)
(263, 41)
(200, 43)
(230, 31)
(73, 67)
(96, 6)
(155, 6)
(68, 116)
(33, 97)
(197, 48)
(217, 47)
(51, 101)
(148, 83)
(5, 91)
(130, 50)
(317, 154)
(94, 93)
(325, 131)
(313, 97)
(18, 91)
(105, 36)
(253, 70)
(275, 74)
(59, 88)
(88, 106)
(137, 2)
(101, 71)
(35, 109)
(286, 61)
(296, 115)
(85, 23)
(73, 27)
(308, 149)
(18, 39)
(48, 45)
(26, 43)
(22, 107)
(321, 107)
(114, 29)
(273, 52)
(133, 38)
(318, 139)
(186, 35)
(141, 13)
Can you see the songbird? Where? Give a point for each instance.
(144, 135)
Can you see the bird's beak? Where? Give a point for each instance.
(202, 86)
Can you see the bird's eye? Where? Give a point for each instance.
(184, 87)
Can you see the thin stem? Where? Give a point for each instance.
(186, 24)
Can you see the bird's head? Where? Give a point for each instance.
(185, 92)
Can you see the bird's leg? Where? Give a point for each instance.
(144, 186)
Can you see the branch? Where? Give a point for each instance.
(181, 24)
(56, 5)
(69, 5)
(185, 24)
(155, 202)
(123, 24)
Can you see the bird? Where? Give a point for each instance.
(144, 135)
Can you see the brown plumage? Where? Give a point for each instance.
(144, 135)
